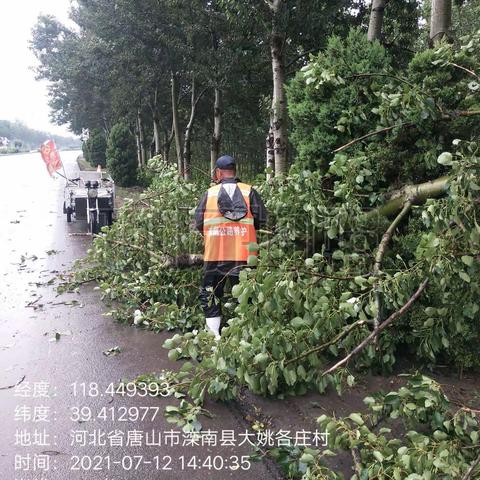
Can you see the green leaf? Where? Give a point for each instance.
(173, 355)
(357, 418)
(299, 322)
(260, 357)
(237, 290)
(378, 456)
(309, 262)
(307, 458)
(445, 158)
(467, 260)
(464, 276)
(332, 232)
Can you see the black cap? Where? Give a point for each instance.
(225, 162)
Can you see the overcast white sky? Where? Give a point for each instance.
(21, 96)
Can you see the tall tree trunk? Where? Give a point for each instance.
(156, 141)
(279, 101)
(157, 138)
(270, 154)
(139, 148)
(217, 129)
(376, 20)
(440, 19)
(168, 136)
(141, 139)
(187, 170)
(176, 126)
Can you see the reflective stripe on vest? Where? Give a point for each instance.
(227, 240)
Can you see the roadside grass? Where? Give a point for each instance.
(124, 193)
(84, 165)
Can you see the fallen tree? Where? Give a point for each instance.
(301, 310)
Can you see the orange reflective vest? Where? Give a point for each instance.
(227, 240)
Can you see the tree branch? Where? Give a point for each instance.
(382, 248)
(366, 75)
(445, 116)
(357, 461)
(469, 473)
(298, 57)
(371, 134)
(379, 329)
(470, 72)
(342, 334)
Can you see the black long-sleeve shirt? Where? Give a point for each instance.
(257, 208)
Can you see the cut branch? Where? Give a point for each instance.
(394, 316)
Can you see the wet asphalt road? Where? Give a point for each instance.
(44, 434)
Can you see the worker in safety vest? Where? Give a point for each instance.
(228, 216)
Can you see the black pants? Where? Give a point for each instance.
(211, 292)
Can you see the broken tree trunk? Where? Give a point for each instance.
(416, 193)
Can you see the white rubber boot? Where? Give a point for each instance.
(213, 324)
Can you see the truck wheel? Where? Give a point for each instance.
(69, 214)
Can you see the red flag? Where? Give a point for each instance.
(50, 156)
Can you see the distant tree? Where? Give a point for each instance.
(94, 149)
(30, 138)
(121, 155)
